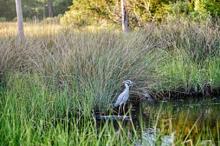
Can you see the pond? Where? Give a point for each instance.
(192, 122)
(180, 122)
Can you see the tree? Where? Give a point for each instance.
(7, 9)
(135, 13)
(124, 16)
(60, 6)
(50, 8)
(19, 19)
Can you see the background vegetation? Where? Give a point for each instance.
(55, 80)
(177, 57)
(87, 12)
(91, 12)
(32, 9)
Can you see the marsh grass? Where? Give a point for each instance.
(31, 113)
(9, 30)
(88, 63)
(176, 56)
(51, 83)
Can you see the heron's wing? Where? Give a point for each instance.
(119, 99)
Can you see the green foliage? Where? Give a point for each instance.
(84, 12)
(213, 7)
(7, 9)
(213, 67)
(140, 11)
(60, 6)
(32, 8)
(180, 73)
(2, 19)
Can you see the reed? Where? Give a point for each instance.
(60, 75)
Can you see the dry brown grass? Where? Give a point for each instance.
(9, 29)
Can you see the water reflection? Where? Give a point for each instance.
(192, 122)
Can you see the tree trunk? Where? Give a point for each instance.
(124, 16)
(19, 19)
(50, 8)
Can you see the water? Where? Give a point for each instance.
(191, 121)
(180, 122)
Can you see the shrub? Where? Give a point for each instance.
(2, 19)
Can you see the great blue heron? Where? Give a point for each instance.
(123, 97)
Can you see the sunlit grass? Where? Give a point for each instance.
(51, 84)
(160, 58)
(9, 29)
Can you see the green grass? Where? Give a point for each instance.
(31, 113)
(51, 84)
(177, 56)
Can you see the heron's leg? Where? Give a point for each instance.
(123, 108)
(119, 110)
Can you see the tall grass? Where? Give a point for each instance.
(30, 114)
(41, 29)
(175, 56)
(52, 83)
(33, 114)
(88, 63)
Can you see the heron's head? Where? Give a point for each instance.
(128, 82)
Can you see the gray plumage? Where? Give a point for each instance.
(123, 97)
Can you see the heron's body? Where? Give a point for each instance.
(123, 97)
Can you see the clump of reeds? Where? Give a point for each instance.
(169, 57)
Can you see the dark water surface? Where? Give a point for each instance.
(180, 122)
(191, 121)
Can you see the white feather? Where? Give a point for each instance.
(123, 97)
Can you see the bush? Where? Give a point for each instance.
(140, 12)
(2, 19)
(213, 7)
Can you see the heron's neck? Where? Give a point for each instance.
(126, 86)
